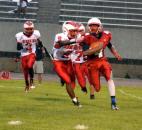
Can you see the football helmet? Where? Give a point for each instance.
(68, 27)
(81, 29)
(28, 27)
(95, 21)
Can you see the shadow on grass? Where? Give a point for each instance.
(51, 99)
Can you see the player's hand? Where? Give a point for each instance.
(80, 39)
(119, 58)
(17, 59)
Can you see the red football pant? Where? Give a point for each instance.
(97, 68)
(27, 63)
(86, 71)
(80, 74)
(65, 71)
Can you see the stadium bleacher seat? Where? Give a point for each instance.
(114, 13)
(7, 14)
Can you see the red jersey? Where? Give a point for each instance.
(104, 37)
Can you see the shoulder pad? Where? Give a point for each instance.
(87, 34)
(19, 34)
(37, 33)
(107, 32)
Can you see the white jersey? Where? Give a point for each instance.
(28, 43)
(77, 55)
(59, 52)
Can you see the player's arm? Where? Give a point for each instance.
(17, 57)
(95, 47)
(39, 43)
(19, 46)
(114, 51)
(67, 42)
(72, 41)
(18, 41)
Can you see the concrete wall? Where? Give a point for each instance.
(9, 29)
(119, 70)
(127, 41)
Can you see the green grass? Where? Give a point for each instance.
(48, 107)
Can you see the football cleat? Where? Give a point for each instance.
(62, 82)
(32, 87)
(114, 107)
(27, 88)
(84, 89)
(92, 96)
(77, 103)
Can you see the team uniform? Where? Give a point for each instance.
(97, 40)
(79, 66)
(77, 62)
(62, 63)
(27, 50)
(61, 58)
(97, 63)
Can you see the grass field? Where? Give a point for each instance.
(48, 107)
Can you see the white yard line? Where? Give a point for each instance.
(130, 95)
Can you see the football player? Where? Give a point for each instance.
(61, 59)
(26, 45)
(98, 40)
(79, 63)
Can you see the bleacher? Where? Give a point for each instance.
(7, 14)
(113, 13)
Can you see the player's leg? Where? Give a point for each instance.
(92, 92)
(71, 73)
(31, 61)
(86, 73)
(25, 72)
(107, 71)
(94, 73)
(61, 69)
(79, 72)
(62, 82)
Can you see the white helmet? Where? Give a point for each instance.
(81, 27)
(28, 27)
(96, 21)
(28, 24)
(69, 25)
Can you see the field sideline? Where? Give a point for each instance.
(48, 107)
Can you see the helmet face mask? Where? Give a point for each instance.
(70, 28)
(94, 25)
(81, 29)
(93, 28)
(28, 27)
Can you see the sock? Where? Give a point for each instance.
(74, 99)
(31, 73)
(27, 82)
(113, 100)
(111, 87)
